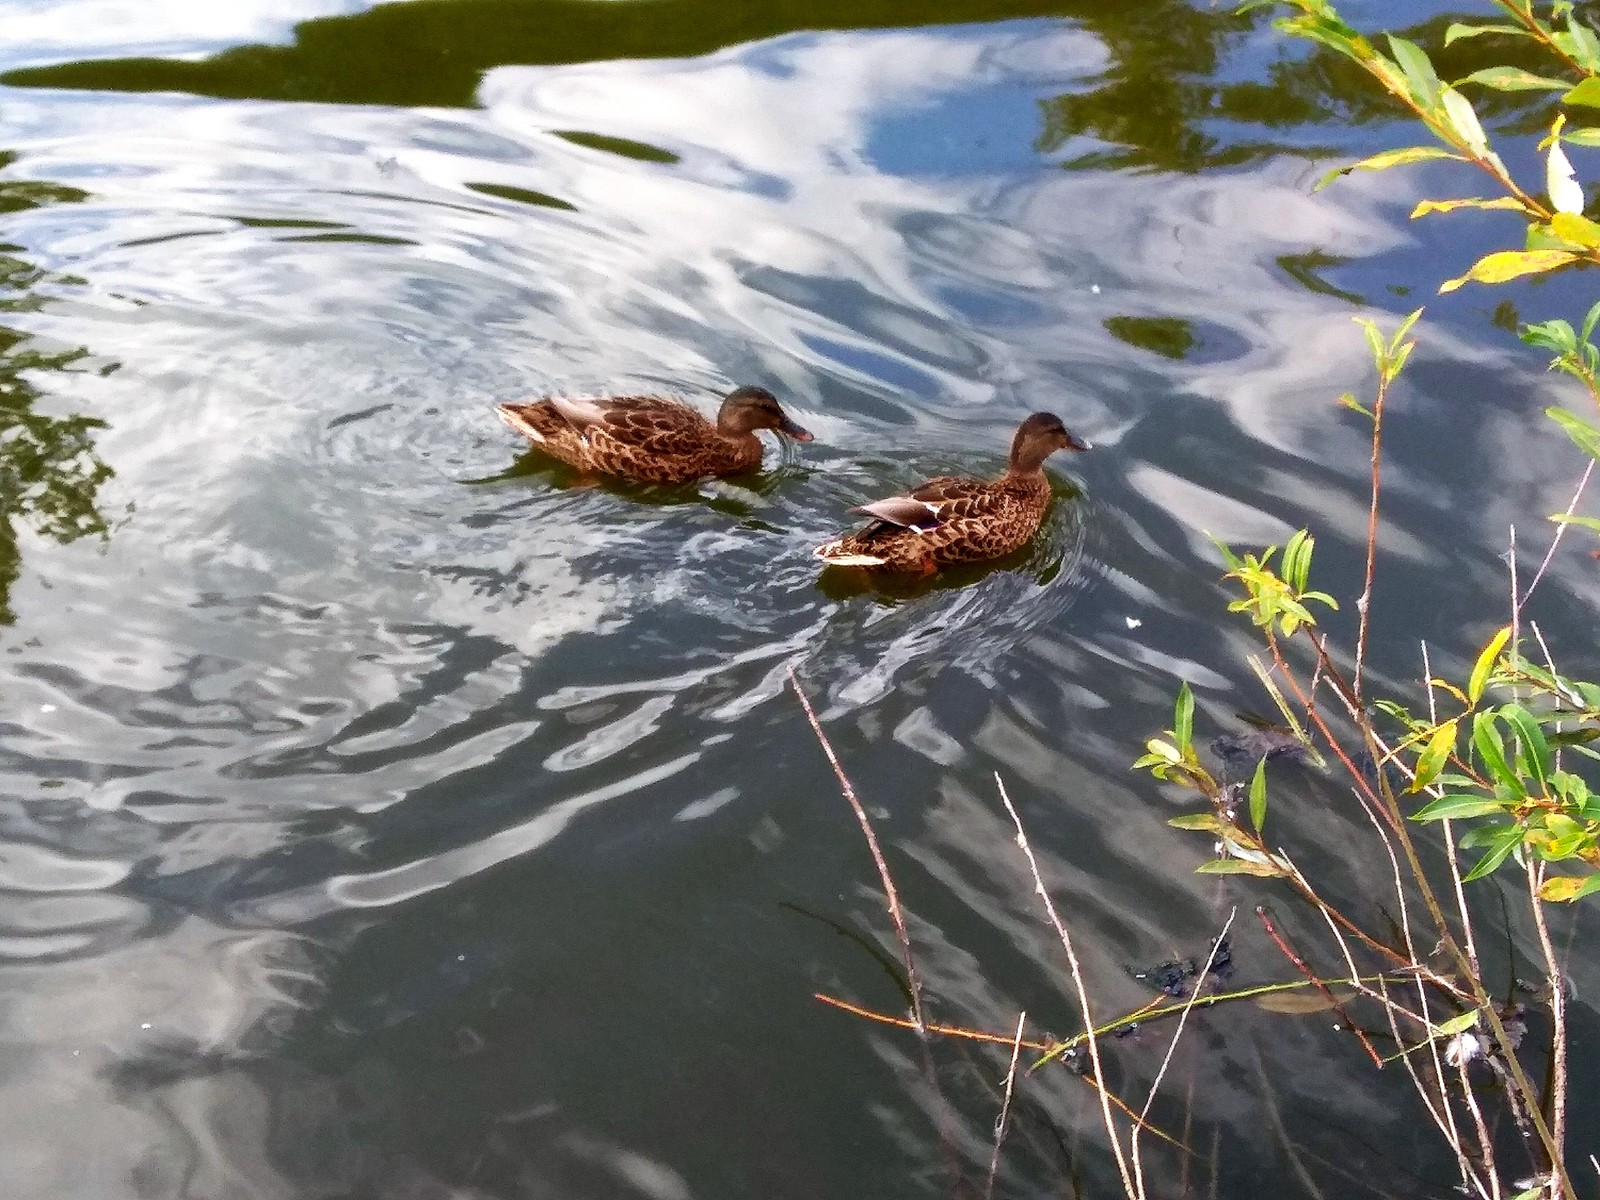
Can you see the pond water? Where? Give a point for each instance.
(385, 816)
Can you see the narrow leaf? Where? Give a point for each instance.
(1514, 79)
(1453, 807)
(1459, 1023)
(1202, 822)
(1569, 519)
(1258, 796)
(1432, 759)
(1508, 840)
(1464, 121)
(1389, 158)
(1586, 93)
(1504, 265)
(1579, 230)
(1183, 717)
(1485, 664)
(1535, 750)
(1457, 31)
(1237, 866)
(1486, 738)
(1584, 435)
(1424, 207)
(1414, 62)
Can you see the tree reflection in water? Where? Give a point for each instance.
(50, 474)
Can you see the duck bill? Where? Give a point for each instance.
(789, 429)
(1077, 443)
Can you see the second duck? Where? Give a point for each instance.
(954, 519)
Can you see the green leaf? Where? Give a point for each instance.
(1505, 265)
(1258, 796)
(1586, 93)
(1590, 321)
(1432, 759)
(1569, 519)
(1534, 751)
(1485, 664)
(1457, 31)
(1486, 737)
(1424, 207)
(1504, 843)
(1203, 822)
(1451, 807)
(1183, 717)
(1464, 121)
(1389, 158)
(1588, 136)
(1237, 866)
(1514, 79)
(1584, 435)
(1459, 1023)
(1422, 79)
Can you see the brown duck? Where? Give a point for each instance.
(954, 519)
(653, 439)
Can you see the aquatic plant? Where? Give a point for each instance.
(1503, 750)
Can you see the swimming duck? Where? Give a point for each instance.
(653, 439)
(954, 519)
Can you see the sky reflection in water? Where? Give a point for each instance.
(380, 829)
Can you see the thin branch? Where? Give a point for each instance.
(893, 897)
(1556, 1100)
(1561, 529)
(1364, 604)
(1083, 993)
(1172, 1046)
(1300, 965)
(1005, 1107)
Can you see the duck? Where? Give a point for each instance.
(956, 519)
(653, 439)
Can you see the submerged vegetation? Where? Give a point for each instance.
(1490, 774)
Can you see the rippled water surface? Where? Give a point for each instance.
(386, 814)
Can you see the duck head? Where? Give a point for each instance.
(747, 409)
(1040, 436)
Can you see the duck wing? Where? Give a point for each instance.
(931, 504)
(651, 423)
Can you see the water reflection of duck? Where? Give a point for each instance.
(954, 519)
(653, 439)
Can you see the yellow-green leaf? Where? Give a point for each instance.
(1464, 120)
(1485, 664)
(1562, 888)
(1237, 866)
(1389, 158)
(1504, 265)
(1424, 207)
(1580, 231)
(1586, 93)
(1515, 79)
(1433, 757)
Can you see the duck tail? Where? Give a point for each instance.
(844, 552)
(532, 421)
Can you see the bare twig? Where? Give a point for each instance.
(1172, 1046)
(890, 894)
(1005, 1106)
(1083, 994)
(1556, 1100)
(1364, 604)
(1334, 1002)
(1561, 528)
